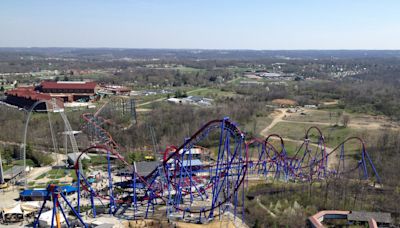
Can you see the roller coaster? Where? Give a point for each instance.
(200, 191)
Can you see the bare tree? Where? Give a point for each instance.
(345, 120)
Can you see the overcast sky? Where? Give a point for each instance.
(205, 24)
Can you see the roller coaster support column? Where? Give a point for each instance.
(92, 202)
(364, 163)
(92, 194)
(78, 176)
(241, 159)
(1, 171)
(325, 155)
(133, 110)
(341, 160)
(55, 210)
(170, 200)
(216, 177)
(73, 210)
(55, 194)
(378, 178)
(110, 185)
(36, 222)
(134, 198)
(190, 171)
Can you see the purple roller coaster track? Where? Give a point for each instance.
(208, 188)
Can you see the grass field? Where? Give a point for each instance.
(143, 99)
(333, 135)
(212, 93)
(256, 125)
(315, 116)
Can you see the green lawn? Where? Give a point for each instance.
(315, 116)
(143, 99)
(185, 69)
(291, 147)
(212, 93)
(57, 174)
(257, 124)
(333, 135)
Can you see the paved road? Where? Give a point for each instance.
(8, 197)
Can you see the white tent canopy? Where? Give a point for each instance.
(13, 210)
(45, 218)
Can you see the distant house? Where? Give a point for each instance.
(310, 106)
(284, 102)
(117, 90)
(194, 100)
(201, 101)
(268, 75)
(175, 100)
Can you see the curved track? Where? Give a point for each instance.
(186, 186)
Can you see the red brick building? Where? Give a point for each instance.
(69, 90)
(25, 97)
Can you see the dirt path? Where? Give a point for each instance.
(151, 102)
(101, 108)
(277, 117)
(264, 207)
(10, 143)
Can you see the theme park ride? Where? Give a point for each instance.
(199, 189)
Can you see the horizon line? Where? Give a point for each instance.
(205, 49)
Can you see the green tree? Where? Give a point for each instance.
(39, 158)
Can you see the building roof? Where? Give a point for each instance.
(13, 210)
(68, 85)
(195, 98)
(73, 156)
(191, 151)
(363, 216)
(28, 93)
(43, 192)
(117, 88)
(146, 167)
(13, 171)
(193, 162)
